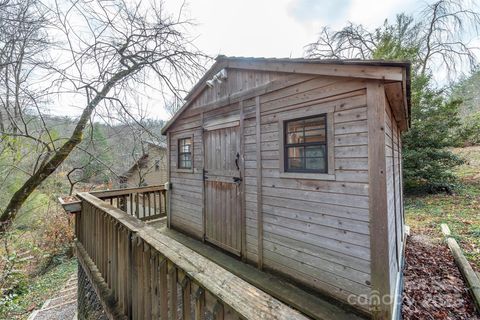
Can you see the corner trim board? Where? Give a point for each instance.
(258, 135)
(378, 206)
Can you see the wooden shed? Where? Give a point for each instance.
(294, 166)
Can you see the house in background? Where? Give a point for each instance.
(294, 166)
(150, 169)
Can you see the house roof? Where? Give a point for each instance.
(144, 157)
(158, 144)
(393, 71)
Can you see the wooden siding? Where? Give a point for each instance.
(186, 196)
(314, 230)
(395, 198)
(237, 81)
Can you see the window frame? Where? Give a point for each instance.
(180, 168)
(304, 145)
(309, 111)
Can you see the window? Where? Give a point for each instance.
(157, 165)
(305, 145)
(185, 153)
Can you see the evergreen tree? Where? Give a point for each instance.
(423, 40)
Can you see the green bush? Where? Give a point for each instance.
(428, 161)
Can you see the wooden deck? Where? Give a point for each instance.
(186, 278)
(312, 305)
(140, 273)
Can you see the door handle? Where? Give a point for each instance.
(236, 160)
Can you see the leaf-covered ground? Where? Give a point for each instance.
(434, 287)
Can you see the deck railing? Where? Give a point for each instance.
(145, 203)
(140, 273)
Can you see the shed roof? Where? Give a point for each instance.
(391, 71)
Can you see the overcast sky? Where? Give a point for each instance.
(275, 28)
(279, 28)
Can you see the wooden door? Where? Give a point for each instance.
(223, 188)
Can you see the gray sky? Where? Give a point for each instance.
(271, 28)
(279, 28)
(275, 28)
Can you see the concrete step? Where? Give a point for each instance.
(66, 291)
(62, 306)
(60, 300)
(60, 312)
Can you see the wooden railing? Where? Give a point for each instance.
(140, 273)
(145, 203)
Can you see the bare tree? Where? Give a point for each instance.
(439, 36)
(111, 46)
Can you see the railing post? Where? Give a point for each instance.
(199, 303)
(173, 292)
(163, 266)
(186, 300)
(129, 274)
(123, 203)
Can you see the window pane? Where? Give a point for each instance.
(295, 157)
(295, 126)
(294, 137)
(295, 163)
(295, 152)
(315, 151)
(185, 145)
(315, 123)
(315, 158)
(315, 129)
(185, 164)
(185, 156)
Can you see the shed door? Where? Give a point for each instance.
(222, 188)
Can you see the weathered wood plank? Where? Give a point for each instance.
(378, 202)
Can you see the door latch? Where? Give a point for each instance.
(237, 180)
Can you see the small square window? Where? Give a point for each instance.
(306, 145)
(185, 153)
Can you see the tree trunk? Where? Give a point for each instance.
(21, 195)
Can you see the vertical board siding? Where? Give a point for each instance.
(250, 181)
(237, 81)
(394, 196)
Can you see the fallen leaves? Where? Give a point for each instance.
(433, 285)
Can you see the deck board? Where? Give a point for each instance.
(312, 305)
